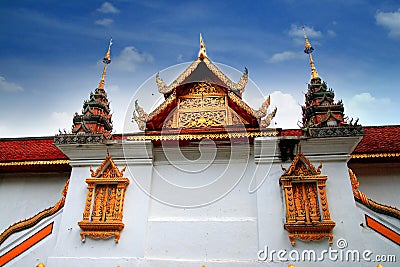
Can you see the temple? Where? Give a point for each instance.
(205, 181)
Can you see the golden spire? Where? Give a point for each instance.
(202, 52)
(308, 49)
(106, 61)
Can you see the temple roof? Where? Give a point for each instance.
(380, 139)
(31, 154)
(377, 139)
(203, 69)
(200, 98)
(322, 117)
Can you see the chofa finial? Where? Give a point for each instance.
(202, 51)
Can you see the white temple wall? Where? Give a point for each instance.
(24, 194)
(171, 219)
(225, 229)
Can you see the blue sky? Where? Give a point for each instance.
(51, 54)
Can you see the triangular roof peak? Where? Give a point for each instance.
(107, 169)
(202, 68)
(301, 166)
(203, 99)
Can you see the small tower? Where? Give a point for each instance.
(96, 117)
(321, 115)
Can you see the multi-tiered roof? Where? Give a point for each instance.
(95, 117)
(94, 125)
(322, 116)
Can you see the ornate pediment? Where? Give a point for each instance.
(203, 104)
(301, 166)
(202, 98)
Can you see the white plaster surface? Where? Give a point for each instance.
(25, 194)
(214, 208)
(379, 181)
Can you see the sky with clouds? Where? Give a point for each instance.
(51, 55)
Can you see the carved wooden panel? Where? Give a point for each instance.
(306, 202)
(307, 212)
(102, 215)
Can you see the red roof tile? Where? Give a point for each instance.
(29, 149)
(379, 139)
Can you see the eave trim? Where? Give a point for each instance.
(34, 162)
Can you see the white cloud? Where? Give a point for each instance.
(130, 57)
(286, 55)
(298, 35)
(179, 58)
(107, 7)
(104, 22)
(367, 107)
(112, 88)
(61, 120)
(331, 33)
(367, 99)
(6, 86)
(60, 116)
(289, 111)
(390, 20)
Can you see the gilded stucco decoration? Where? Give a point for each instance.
(103, 212)
(140, 116)
(307, 212)
(199, 136)
(203, 106)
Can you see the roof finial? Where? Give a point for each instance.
(202, 52)
(106, 61)
(308, 49)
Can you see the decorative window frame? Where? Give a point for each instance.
(307, 211)
(103, 212)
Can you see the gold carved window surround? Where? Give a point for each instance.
(103, 212)
(204, 105)
(307, 211)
